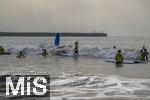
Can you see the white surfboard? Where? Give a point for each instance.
(66, 54)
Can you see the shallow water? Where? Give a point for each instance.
(86, 77)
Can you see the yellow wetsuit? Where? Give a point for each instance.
(45, 54)
(119, 58)
(142, 57)
(2, 50)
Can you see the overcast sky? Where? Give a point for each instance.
(116, 17)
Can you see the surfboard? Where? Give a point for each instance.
(57, 39)
(65, 54)
(5, 53)
(127, 61)
(139, 61)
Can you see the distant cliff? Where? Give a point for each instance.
(43, 34)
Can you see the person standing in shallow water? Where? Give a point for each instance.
(2, 50)
(76, 48)
(145, 52)
(119, 57)
(143, 56)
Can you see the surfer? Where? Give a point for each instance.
(2, 50)
(145, 52)
(44, 53)
(76, 49)
(143, 56)
(119, 57)
(20, 55)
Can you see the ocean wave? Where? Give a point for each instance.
(84, 51)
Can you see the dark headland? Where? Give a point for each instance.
(45, 34)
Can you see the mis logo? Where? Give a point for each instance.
(27, 85)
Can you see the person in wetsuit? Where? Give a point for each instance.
(2, 50)
(119, 57)
(76, 49)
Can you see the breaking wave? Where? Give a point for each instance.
(84, 51)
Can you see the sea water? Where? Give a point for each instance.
(87, 77)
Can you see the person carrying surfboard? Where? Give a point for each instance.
(76, 49)
(119, 57)
(2, 50)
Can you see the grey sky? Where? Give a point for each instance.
(116, 17)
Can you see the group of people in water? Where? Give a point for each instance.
(22, 55)
(119, 56)
(142, 57)
(44, 53)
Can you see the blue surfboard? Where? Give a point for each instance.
(127, 61)
(57, 39)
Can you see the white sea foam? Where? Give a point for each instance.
(97, 86)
